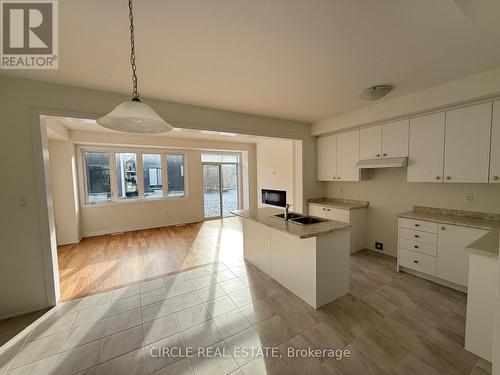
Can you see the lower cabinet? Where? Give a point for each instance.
(453, 260)
(436, 250)
(356, 217)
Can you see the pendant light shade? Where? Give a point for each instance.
(134, 117)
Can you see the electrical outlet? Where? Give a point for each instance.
(469, 198)
(379, 246)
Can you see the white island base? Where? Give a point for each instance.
(316, 269)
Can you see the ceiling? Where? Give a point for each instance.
(54, 124)
(294, 59)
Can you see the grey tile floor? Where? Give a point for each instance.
(391, 323)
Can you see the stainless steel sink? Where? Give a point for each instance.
(291, 215)
(306, 220)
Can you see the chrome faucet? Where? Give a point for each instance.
(287, 208)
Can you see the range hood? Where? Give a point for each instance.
(383, 163)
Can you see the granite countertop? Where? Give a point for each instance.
(264, 216)
(486, 245)
(346, 204)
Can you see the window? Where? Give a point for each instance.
(97, 175)
(153, 184)
(175, 175)
(126, 176)
(220, 158)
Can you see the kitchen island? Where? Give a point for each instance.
(312, 260)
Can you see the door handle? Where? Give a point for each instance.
(415, 261)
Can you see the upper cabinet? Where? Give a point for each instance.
(426, 153)
(395, 139)
(327, 158)
(370, 143)
(495, 145)
(348, 156)
(456, 146)
(384, 141)
(467, 144)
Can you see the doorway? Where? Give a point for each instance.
(221, 188)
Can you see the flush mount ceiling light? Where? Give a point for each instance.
(375, 92)
(134, 116)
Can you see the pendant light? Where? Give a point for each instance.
(134, 116)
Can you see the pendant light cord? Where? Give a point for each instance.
(135, 92)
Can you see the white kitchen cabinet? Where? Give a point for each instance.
(327, 158)
(356, 217)
(467, 144)
(395, 139)
(452, 258)
(436, 250)
(495, 144)
(370, 143)
(348, 156)
(426, 148)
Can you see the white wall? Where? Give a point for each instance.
(275, 167)
(64, 185)
(390, 194)
(483, 85)
(25, 246)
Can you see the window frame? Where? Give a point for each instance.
(138, 151)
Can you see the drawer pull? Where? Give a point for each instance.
(443, 228)
(417, 225)
(415, 261)
(417, 236)
(415, 246)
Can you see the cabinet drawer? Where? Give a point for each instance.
(425, 226)
(417, 261)
(416, 235)
(419, 247)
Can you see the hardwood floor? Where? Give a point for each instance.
(101, 263)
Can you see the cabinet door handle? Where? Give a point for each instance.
(378, 155)
(417, 236)
(415, 261)
(334, 178)
(448, 177)
(443, 228)
(384, 154)
(495, 178)
(417, 225)
(415, 246)
(438, 177)
(338, 178)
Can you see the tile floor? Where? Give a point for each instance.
(391, 324)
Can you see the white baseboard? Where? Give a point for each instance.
(25, 310)
(131, 228)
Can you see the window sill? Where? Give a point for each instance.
(132, 201)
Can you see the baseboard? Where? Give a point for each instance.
(132, 228)
(381, 252)
(25, 310)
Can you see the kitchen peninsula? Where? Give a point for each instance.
(310, 260)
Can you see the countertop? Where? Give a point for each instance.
(264, 216)
(346, 204)
(487, 245)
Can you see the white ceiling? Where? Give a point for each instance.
(296, 59)
(55, 123)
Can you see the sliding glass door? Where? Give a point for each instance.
(220, 189)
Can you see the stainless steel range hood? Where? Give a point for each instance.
(383, 163)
